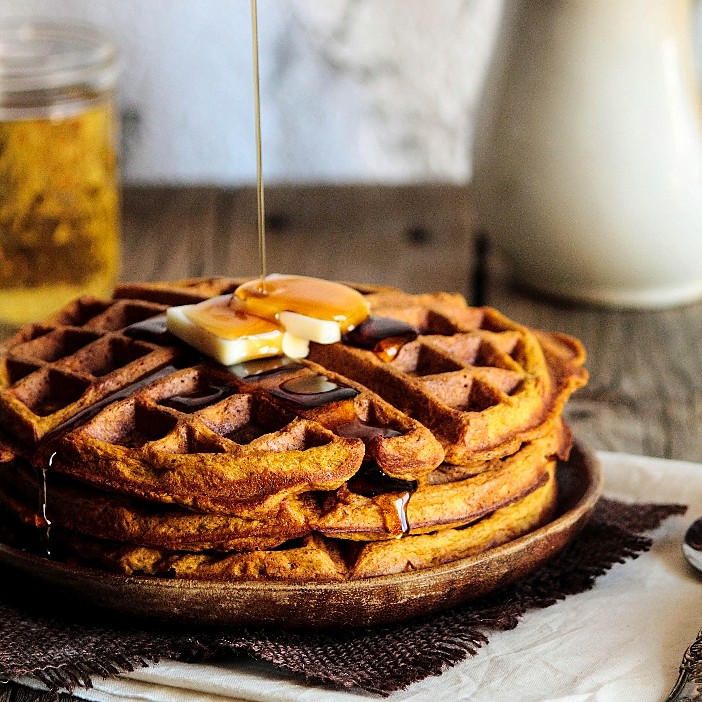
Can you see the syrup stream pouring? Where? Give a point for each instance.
(259, 158)
(689, 683)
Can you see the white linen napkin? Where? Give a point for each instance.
(623, 640)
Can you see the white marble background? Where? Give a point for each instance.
(351, 90)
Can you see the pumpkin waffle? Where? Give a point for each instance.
(52, 371)
(370, 506)
(439, 502)
(77, 506)
(316, 557)
(238, 454)
(204, 438)
(446, 545)
(147, 458)
(482, 383)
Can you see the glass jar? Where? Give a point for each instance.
(59, 204)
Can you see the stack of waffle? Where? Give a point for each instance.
(428, 434)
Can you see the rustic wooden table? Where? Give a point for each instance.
(645, 391)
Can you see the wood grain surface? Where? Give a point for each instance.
(645, 392)
(417, 238)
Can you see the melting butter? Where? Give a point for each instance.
(313, 298)
(226, 317)
(277, 316)
(227, 335)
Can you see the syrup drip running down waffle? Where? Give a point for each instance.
(429, 433)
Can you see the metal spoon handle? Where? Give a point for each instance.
(688, 687)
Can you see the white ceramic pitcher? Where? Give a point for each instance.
(588, 150)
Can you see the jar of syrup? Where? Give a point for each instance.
(59, 230)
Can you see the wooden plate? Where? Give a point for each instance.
(361, 602)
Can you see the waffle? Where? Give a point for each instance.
(356, 462)
(316, 557)
(482, 383)
(349, 513)
(78, 507)
(441, 503)
(52, 371)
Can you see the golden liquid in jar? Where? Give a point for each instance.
(59, 218)
(314, 297)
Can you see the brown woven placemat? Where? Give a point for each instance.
(64, 654)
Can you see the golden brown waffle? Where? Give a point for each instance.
(482, 383)
(240, 453)
(318, 558)
(440, 502)
(346, 513)
(204, 438)
(80, 508)
(446, 545)
(399, 445)
(149, 459)
(51, 371)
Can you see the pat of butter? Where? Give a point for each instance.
(322, 331)
(325, 301)
(230, 351)
(279, 319)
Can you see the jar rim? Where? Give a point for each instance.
(40, 54)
